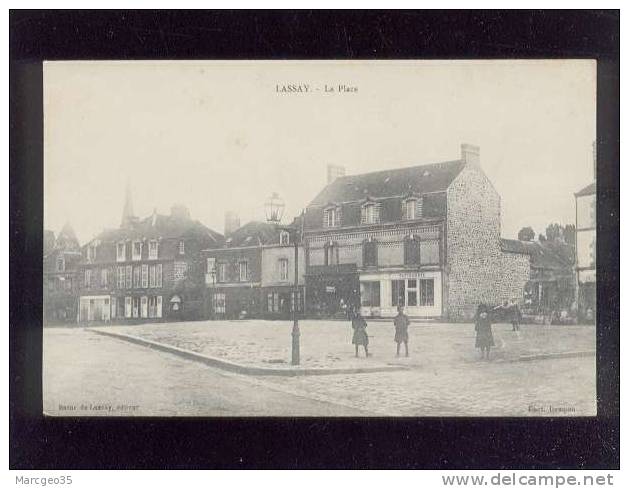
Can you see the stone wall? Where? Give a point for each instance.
(516, 271)
(473, 253)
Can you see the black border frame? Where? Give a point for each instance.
(317, 443)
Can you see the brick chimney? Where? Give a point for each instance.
(470, 154)
(180, 211)
(232, 222)
(334, 172)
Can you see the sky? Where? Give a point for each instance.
(219, 136)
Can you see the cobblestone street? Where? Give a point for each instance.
(445, 377)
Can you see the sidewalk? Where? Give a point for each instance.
(326, 345)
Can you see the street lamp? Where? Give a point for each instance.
(274, 210)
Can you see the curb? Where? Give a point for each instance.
(549, 356)
(239, 368)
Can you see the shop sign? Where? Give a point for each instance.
(330, 289)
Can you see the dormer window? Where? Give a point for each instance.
(136, 251)
(61, 264)
(370, 213)
(332, 217)
(91, 252)
(412, 208)
(284, 238)
(182, 247)
(153, 249)
(120, 251)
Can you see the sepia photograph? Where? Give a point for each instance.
(319, 238)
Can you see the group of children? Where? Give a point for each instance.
(483, 320)
(359, 325)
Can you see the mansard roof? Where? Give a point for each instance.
(434, 177)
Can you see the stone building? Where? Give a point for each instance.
(147, 269)
(549, 266)
(253, 275)
(61, 258)
(426, 237)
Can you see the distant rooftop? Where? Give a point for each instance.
(588, 190)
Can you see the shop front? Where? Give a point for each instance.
(332, 290)
(94, 308)
(418, 291)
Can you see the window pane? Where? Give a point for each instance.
(412, 284)
(398, 293)
(427, 291)
(412, 298)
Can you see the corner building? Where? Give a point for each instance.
(426, 237)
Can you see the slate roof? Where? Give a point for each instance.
(164, 226)
(546, 254)
(420, 179)
(588, 190)
(254, 233)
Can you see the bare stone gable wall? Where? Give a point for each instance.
(474, 256)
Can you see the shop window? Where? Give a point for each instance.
(370, 294)
(127, 307)
(273, 302)
(218, 302)
(427, 292)
(370, 253)
(398, 292)
(411, 292)
(144, 303)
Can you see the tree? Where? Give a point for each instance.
(526, 234)
(554, 232)
(541, 237)
(569, 232)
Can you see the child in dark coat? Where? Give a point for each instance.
(359, 325)
(484, 335)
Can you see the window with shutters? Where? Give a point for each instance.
(370, 253)
(136, 251)
(88, 278)
(158, 275)
(136, 277)
(411, 250)
(120, 251)
(145, 276)
(129, 276)
(152, 276)
(243, 268)
(221, 272)
(332, 217)
(103, 277)
(283, 268)
(412, 208)
(331, 253)
(370, 213)
(153, 249)
(121, 277)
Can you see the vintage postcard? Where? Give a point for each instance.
(320, 238)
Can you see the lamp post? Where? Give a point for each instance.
(274, 209)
